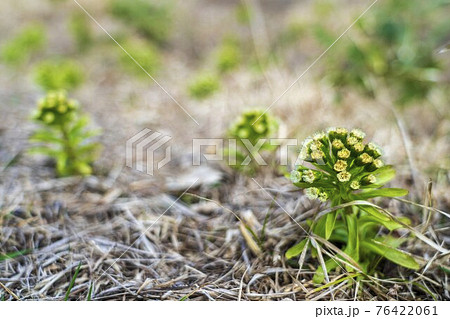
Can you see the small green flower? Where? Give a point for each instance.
(369, 179)
(344, 176)
(364, 159)
(358, 148)
(360, 135)
(48, 118)
(296, 176)
(355, 185)
(308, 176)
(323, 196)
(343, 153)
(337, 144)
(340, 166)
(376, 164)
(317, 154)
(351, 140)
(373, 150)
(316, 145)
(312, 192)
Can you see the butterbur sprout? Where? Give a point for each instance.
(253, 126)
(341, 161)
(342, 169)
(63, 135)
(317, 154)
(369, 179)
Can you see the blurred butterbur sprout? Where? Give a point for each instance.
(63, 135)
(204, 85)
(23, 45)
(59, 74)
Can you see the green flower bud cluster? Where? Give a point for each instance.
(342, 162)
(56, 109)
(254, 125)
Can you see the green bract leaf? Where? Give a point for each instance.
(383, 192)
(296, 250)
(352, 248)
(397, 256)
(375, 212)
(392, 241)
(329, 225)
(364, 221)
(384, 174)
(319, 275)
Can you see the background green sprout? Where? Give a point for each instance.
(394, 50)
(146, 54)
(62, 74)
(20, 48)
(204, 85)
(229, 55)
(252, 125)
(346, 172)
(63, 135)
(152, 20)
(79, 25)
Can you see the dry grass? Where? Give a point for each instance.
(196, 250)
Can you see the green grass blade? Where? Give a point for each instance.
(296, 249)
(72, 282)
(89, 296)
(13, 255)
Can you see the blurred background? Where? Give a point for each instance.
(217, 58)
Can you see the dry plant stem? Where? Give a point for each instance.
(387, 101)
(259, 36)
